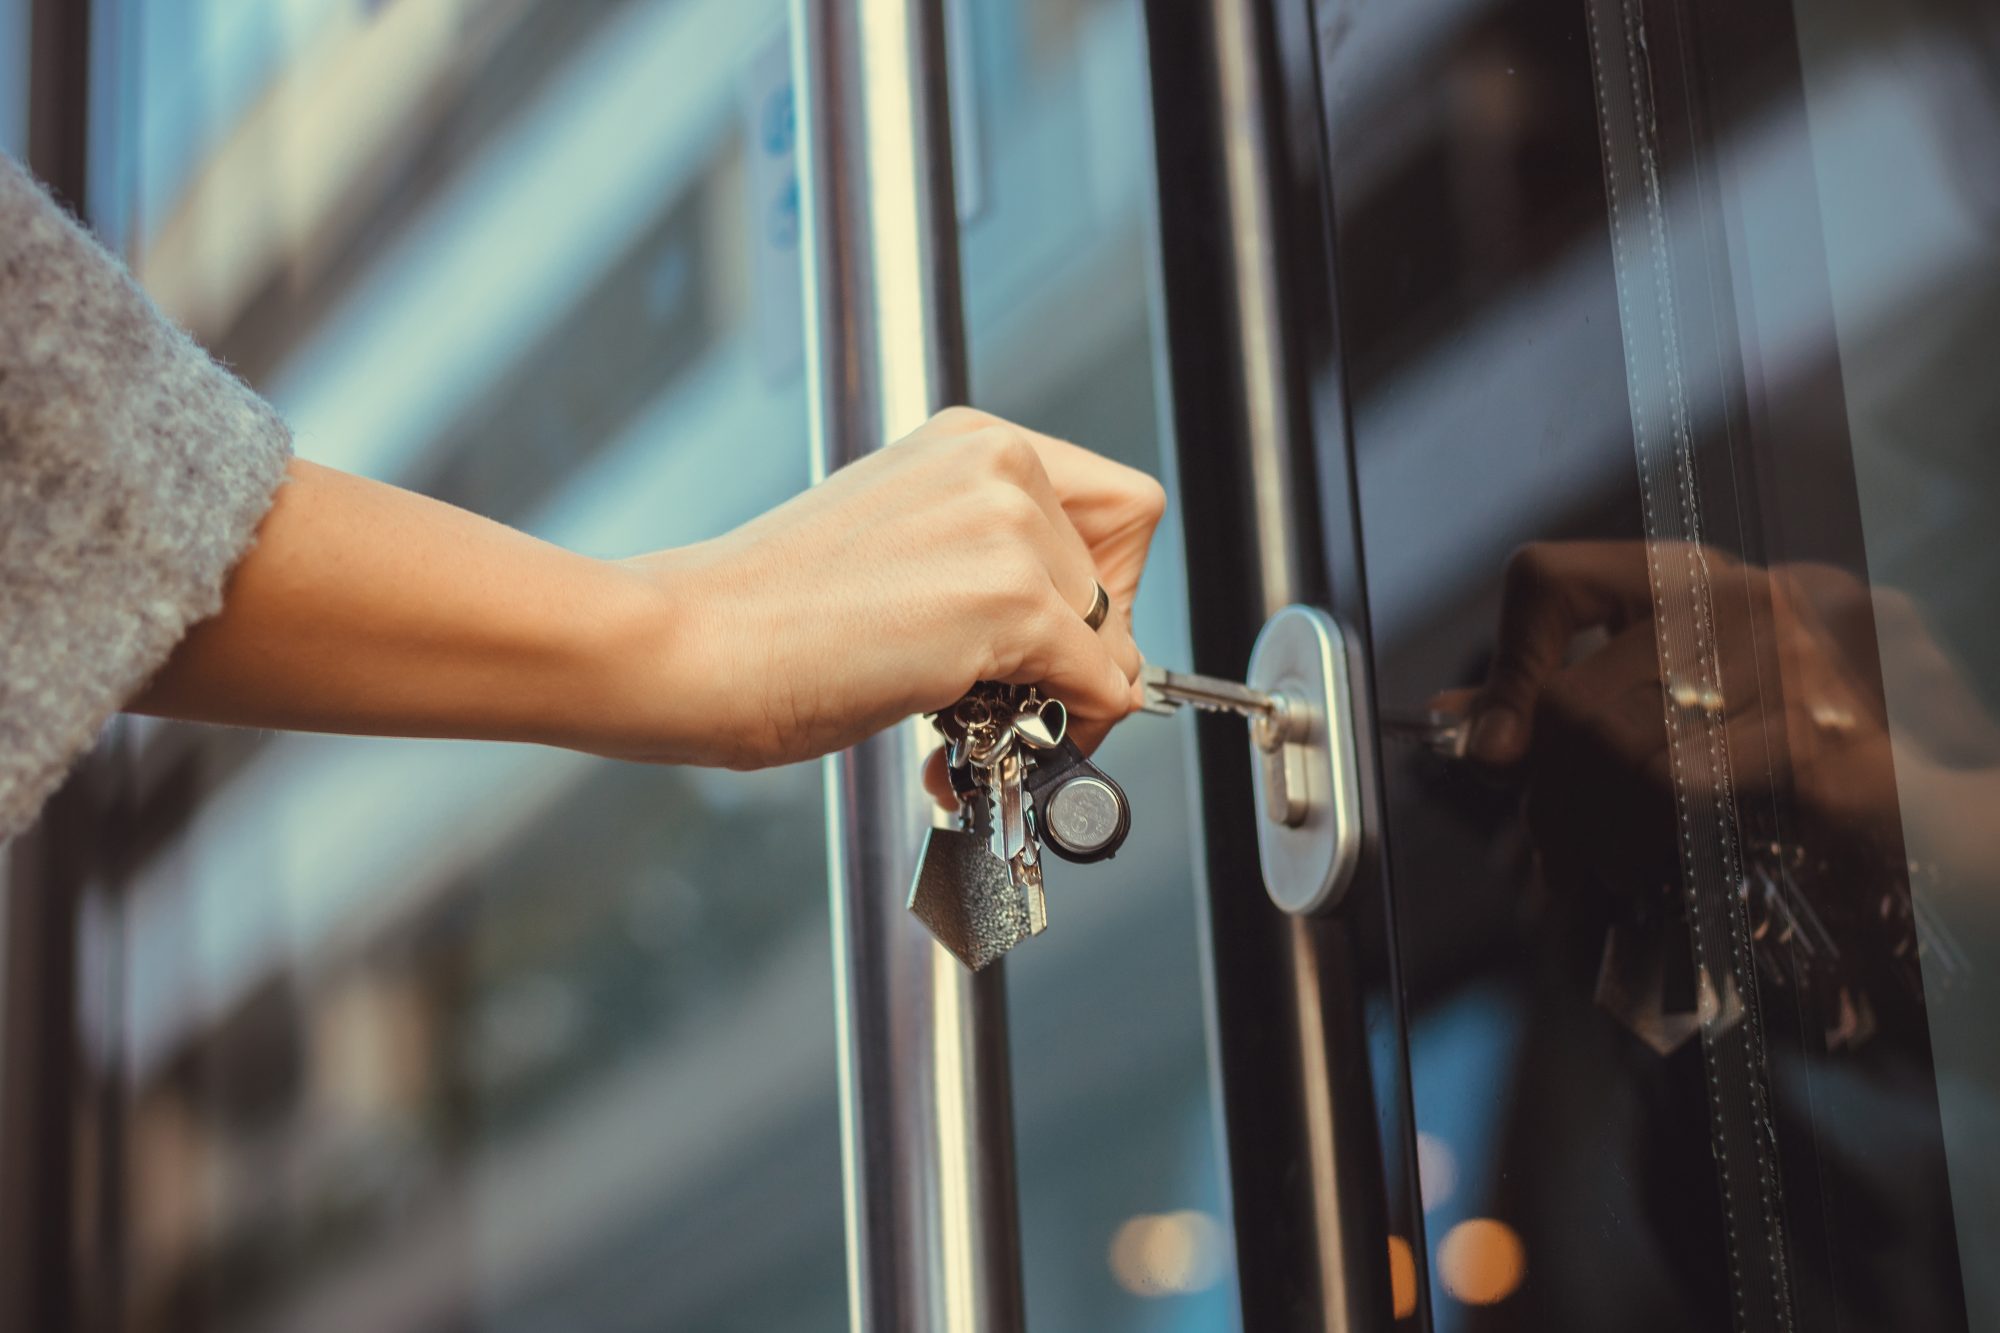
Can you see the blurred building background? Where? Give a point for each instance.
(448, 1038)
(413, 1037)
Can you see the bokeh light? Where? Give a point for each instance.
(1169, 1254)
(1437, 1170)
(1402, 1277)
(1481, 1261)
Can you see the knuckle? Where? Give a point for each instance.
(1830, 590)
(1118, 688)
(1007, 452)
(1014, 583)
(1717, 557)
(1528, 567)
(1012, 513)
(1525, 580)
(961, 420)
(1149, 497)
(1040, 619)
(1846, 595)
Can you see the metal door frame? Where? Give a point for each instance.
(60, 1226)
(927, 1151)
(1311, 1038)
(1312, 1066)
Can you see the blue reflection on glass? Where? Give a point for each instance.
(14, 77)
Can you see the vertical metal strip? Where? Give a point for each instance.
(926, 1116)
(1253, 241)
(1710, 838)
(1251, 170)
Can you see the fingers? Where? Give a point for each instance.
(1610, 701)
(1073, 567)
(1089, 732)
(1116, 509)
(1072, 662)
(1098, 520)
(1552, 590)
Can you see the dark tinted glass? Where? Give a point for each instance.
(1667, 335)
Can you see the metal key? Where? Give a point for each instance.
(1014, 841)
(1300, 705)
(967, 894)
(1167, 691)
(1444, 732)
(981, 903)
(1275, 724)
(1020, 782)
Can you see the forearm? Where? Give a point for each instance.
(883, 592)
(367, 609)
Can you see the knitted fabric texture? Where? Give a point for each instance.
(133, 473)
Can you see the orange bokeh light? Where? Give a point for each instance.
(1402, 1277)
(1481, 1261)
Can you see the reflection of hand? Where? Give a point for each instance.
(1800, 692)
(964, 552)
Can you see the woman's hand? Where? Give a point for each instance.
(964, 552)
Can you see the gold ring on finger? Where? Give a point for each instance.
(1100, 605)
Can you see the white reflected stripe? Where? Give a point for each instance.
(1518, 352)
(323, 838)
(462, 296)
(287, 174)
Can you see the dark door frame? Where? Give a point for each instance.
(1313, 1065)
(59, 1097)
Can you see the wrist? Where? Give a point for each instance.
(654, 688)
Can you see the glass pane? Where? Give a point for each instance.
(14, 78)
(426, 1036)
(1122, 1217)
(1667, 335)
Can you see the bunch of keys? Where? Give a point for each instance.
(1021, 783)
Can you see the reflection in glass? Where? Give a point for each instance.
(1695, 928)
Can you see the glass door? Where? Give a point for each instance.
(1123, 1223)
(418, 1035)
(421, 1036)
(1664, 395)
(14, 78)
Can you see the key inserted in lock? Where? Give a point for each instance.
(1299, 708)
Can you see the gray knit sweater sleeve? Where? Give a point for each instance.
(133, 474)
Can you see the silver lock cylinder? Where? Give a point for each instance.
(1303, 757)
